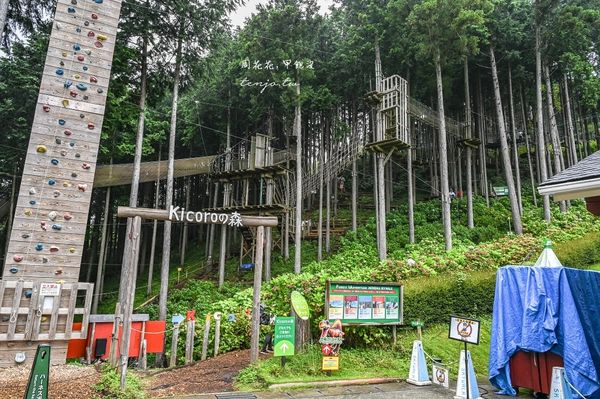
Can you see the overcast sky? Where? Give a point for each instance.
(238, 17)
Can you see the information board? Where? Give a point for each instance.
(464, 330)
(285, 336)
(364, 303)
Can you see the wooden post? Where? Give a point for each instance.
(258, 263)
(298, 226)
(205, 337)
(217, 317)
(174, 339)
(102, 260)
(143, 359)
(127, 308)
(114, 340)
(189, 341)
(90, 347)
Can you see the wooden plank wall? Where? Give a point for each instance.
(48, 234)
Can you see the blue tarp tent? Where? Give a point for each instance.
(542, 309)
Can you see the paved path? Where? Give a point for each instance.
(377, 391)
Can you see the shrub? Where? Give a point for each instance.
(110, 385)
(581, 252)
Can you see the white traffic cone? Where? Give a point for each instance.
(418, 374)
(559, 388)
(461, 383)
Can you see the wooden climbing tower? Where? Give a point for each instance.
(44, 253)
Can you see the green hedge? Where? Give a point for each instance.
(434, 299)
(581, 252)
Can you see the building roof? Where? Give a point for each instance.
(579, 181)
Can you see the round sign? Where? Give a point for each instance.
(300, 305)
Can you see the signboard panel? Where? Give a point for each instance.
(330, 363)
(464, 330)
(364, 303)
(285, 336)
(300, 305)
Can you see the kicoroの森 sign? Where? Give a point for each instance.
(364, 303)
(464, 329)
(179, 214)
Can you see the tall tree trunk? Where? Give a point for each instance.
(184, 235)
(482, 152)
(512, 194)
(526, 134)
(470, 222)
(515, 146)
(226, 199)
(354, 170)
(298, 133)
(154, 226)
(102, 259)
(556, 146)
(166, 257)
(126, 273)
(541, 142)
(321, 183)
(443, 153)
(3, 14)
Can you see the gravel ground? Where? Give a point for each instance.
(67, 381)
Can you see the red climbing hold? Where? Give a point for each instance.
(93, 79)
(91, 126)
(46, 108)
(73, 93)
(80, 57)
(98, 44)
(86, 166)
(91, 34)
(67, 216)
(68, 132)
(18, 258)
(94, 16)
(54, 248)
(82, 187)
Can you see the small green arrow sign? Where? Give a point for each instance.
(417, 323)
(285, 336)
(37, 388)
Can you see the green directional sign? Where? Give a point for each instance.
(300, 305)
(285, 336)
(37, 388)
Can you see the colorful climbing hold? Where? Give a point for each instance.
(100, 91)
(14, 270)
(62, 122)
(73, 93)
(44, 259)
(51, 182)
(82, 187)
(27, 293)
(81, 116)
(60, 72)
(94, 16)
(86, 165)
(54, 161)
(78, 29)
(41, 149)
(32, 191)
(57, 140)
(85, 68)
(93, 79)
(43, 226)
(77, 76)
(54, 248)
(77, 155)
(25, 235)
(52, 215)
(62, 63)
(56, 194)
(27, 212)
(18, 258)
(58, 272)
(73, 175)
(80, 57)
(91, 126)
(63, 153)
(67, 184)
(65, 102)
(87, 23)
(91, 34)
(32, 202)
(102, 38)
(64, 54)
(98, 1)
(68, 132)
(98, 44)
(72, 144)
(46, 108)
(39, 246)
(72, 250)
(56, 227)
(71, 10)
(74, 2)
(67, 216)
(86, 97)
(68, 83)
(76, 47)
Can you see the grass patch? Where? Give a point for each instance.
(358, 363)
(109, 385)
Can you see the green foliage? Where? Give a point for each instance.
(109, 385)
(581, 252)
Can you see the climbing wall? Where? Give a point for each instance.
(50, 221)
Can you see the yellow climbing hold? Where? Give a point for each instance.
(65, 102)
(41, 149)
(101, 37)
(72, 250)
(27, 212)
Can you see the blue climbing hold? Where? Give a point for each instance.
(62, 122)
(68, 83)
(81, 86)
(71, 10)
(27, 293)
(32, 202)
(98, 1)
(56, 227)
(60, 72)
(72, 144)
(76, 47)
(78, 30)
(14, 270)
(54, 161)
(51, 182)
(85, 68)
(39, 246)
